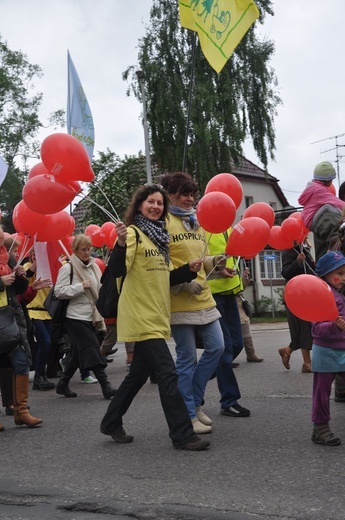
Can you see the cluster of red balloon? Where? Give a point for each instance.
(291, 230)
(251, 234)
(104, 235)
(52, 184)
(216, 210)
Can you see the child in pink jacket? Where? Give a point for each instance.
(317, 194)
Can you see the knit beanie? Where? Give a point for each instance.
(324, 171)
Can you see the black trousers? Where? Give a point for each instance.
(152, 356)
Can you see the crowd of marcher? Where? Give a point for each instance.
(172, 279)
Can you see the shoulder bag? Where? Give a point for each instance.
(9, 331)
(56, 307)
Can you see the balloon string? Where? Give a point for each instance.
(13, 241)
(205, 248)
(305, 263)
(23, 251)
(114, 219)
(109, 202)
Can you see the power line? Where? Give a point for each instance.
(337, 146)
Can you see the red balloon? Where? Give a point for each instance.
(43, 195)
(37, 169)
(56, 227)
(298, 216)
(66, 158)
(216, 212)
(101, 264)
(112, 238)
(94, 232)
(291, 229)
(262, 210)
(226, 183)
(105, 233)
(277, 240)
(248, 237)
(310, 298)
(25, 220)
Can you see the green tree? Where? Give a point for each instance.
(115, 181)
(227, 108)
(19, 123)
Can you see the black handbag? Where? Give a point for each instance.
(247, 307)
(56, 307)
(9, 331)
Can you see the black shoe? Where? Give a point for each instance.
(339, 398)
(109, 392)
(235, 365)
(196, 444)
(42, 383)
(109, 359)
(119, 435)
(64, 389)
(9, 410)
(235, 411)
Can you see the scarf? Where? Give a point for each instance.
(4, 258)
(155, 230)
(187, 216)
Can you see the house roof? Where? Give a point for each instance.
(245, 169)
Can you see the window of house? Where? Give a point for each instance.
(270, 268)
(248, 201)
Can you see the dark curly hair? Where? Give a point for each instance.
(139, 196)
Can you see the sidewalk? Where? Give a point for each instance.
(280, 325)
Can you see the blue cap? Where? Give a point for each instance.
(328, 262)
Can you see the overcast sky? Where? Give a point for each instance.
(102, 37)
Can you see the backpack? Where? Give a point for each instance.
(108, 296)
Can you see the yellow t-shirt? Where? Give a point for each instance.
(184, 247)
(36, 308)
(144, 303)
(3, 298)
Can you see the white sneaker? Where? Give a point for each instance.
(89, 380)
(200, 428)
(203, 418)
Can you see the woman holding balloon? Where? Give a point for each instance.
(193, 309)
(296, 261)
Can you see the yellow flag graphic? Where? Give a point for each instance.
(220, 24)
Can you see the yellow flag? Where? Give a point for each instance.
(220, 24)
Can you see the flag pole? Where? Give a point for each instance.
(189, 102)
(141, 78)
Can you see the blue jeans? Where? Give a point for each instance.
(43, 331)
(193, 375)
(19, 361)
(231, 327)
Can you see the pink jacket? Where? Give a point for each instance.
(315, 195)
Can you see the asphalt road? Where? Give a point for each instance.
(264, 466)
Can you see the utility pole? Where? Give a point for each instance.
(337, 146)
(141, 79)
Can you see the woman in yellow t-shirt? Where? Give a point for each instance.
(141, 258)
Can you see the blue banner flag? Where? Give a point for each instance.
(79, 117)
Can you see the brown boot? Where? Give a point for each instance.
(20, 395)
(250, 352)
(2, 427)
